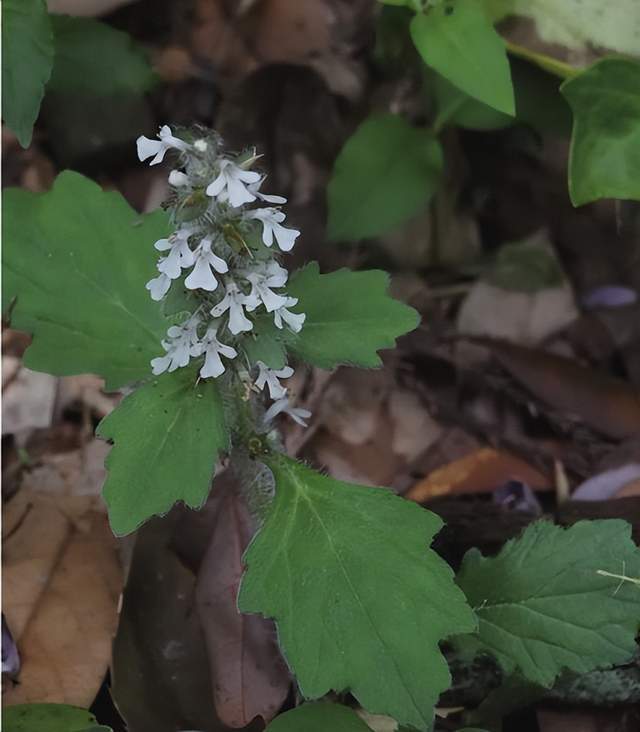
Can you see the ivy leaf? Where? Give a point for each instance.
(76, 260)
(458, 40)
(48, 718)
(360, 601)
(349, 316)
(94, 59)
(386, 172)
(318, 717)
(605, 146)
(542, 605)
(27, 57)
(167, 436)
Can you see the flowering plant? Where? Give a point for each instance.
(221, 255)
(193, 313)
(203, 352)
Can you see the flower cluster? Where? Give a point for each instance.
(222, 258)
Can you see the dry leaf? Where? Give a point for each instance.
(160, 674)
(76, 477)
(414, 429)
(608, 405)
(28, 402)
(482, 470)
(250, 678)
(60, 594)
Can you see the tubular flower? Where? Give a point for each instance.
(157, 148)
(221, 254)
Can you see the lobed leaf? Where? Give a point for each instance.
(167, 436)
(359, 599)
(458, 40)
(386, 172)
(27, 58)
(605, 146)
(350, 316)
(542, 605)
(75, 260)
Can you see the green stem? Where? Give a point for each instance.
(552, 65)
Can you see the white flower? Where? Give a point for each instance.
(233, 301)
(147, 147)
(201, 277)
(231, 184)
(271, 220)
(181, 345)
(200, 145)
(295, 321)
(158, 287)
(254, 188)
(178, 179)
(180, 255)
(212, 348)
(261, 292)
(268, 377)
(283, 405)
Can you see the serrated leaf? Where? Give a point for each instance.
(350, 316)
(605, 147)
(457, 39)
(27, 58)
(167, 436)
(542, 605)
(386, 172)
(94, 59)
(47, 718)
(360, 600)
(76, 260)
(318, 717)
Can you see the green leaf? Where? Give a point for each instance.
(350, 316)
(359, 599)
(318, 717)
(265, 347)
(455, 107)
(167, 436)
(415, 5)
(458, 40)
(386, 172)
(605, 146)
(542, 605)
(95, 59)
(76, 260)
(47, 718)
(526, 266)
(27, 57)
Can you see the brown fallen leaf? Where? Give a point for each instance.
(60, 594)
(28, 400)
(250, 678)
(608, 405)
(481, 470)
(160, 674)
